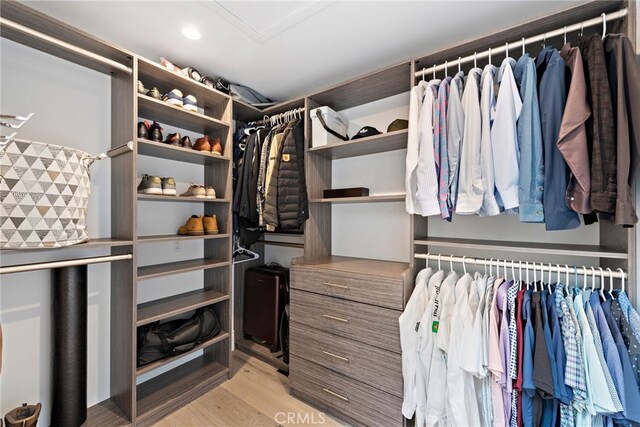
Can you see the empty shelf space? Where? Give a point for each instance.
(105, 413)
(171, 152)
(261, 352)
(98, 243)
(151, 366)
(172, 237)
(367, 199)
(153, 74)
(163, 113)
(245, 112)
(176, 304)
(166, 392)
(154, 198)
(374, 144)
(158, 270)
(524, 247)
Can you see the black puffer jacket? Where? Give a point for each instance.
(286, 205)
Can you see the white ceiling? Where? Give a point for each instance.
(290, 48)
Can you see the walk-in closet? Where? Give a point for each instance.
(376, 213)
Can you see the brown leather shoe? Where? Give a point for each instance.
(216, 147)
(173, 139)
(193, 227)
(186, 142)
(24, 416)
(202, 144)
(210, 224)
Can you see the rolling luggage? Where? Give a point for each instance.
(266, 293)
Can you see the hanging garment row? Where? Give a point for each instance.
(269, 184)
(489, 350)
(560, 138)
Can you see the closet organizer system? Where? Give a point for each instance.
(345, 354)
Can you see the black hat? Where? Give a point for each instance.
(365, 132)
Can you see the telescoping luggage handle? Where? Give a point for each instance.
(328, 129)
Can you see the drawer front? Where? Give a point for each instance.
(365, 323)
(357, 401)
(380, 291)
(374, 366)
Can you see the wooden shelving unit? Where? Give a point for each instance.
(154, 198)
(177, 304)
(364, 199)
(180, 154)
(98, 243)
(153, 109)
(173, 237)
(371, 145)
(161, 270)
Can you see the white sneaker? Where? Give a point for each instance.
(174, 98)
(196, 191)
(211, 193)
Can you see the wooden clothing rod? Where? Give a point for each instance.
(548, 267)
(601, 20)
(64, 45)
(58, 264)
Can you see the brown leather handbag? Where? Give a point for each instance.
(24, 416)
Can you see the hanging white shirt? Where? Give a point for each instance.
(409, 342)
(490, 206)
(504, 136)
(455, 130)
(411, 177)
(470, 188)
(427, 194)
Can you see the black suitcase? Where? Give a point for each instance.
(266, 293)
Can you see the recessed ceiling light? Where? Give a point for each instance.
(191, 33)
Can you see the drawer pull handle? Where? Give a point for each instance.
(339, 319)
(334, 285)
(333, 393)
(328, 353)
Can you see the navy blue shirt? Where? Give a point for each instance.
(552, 95)
(550, 408)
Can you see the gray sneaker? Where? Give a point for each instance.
(150, 185)
(168, 186)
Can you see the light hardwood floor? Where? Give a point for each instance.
(256, 395)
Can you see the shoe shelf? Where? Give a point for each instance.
(162, 362)
(154, 198)
(177, 304)
(153, 74)
(163, 113)
(594, 251)
(98, 243)
(366, 199)
(171, 390)
(172, 237)
(180, 154)
(374, 144)
(105, 413)
(159, 270)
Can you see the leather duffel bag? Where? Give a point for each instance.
(159, 340)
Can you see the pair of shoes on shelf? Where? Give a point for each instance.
(178, 141)
(174, 97)
(212, 146)
(151, 132)
(152, 93)
(151, 184)
(199, 225)
(199, 192)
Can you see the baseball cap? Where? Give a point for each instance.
(365, 132)
(398, 124)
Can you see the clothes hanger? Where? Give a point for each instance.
(527, 274)
(584, 283)
(459, 63)
(475, 59)
(491, 267)
(490, 57)
(451, 262)
(593, 279)
(485, 266)
(544, 41)
(427, 260)
(446, 71)
(549, 283)
(464, 265)
(622, 273)
(506, 50)
(505, 269)
(565, 35)
(520, 271)
(434, 71)
(535, 278)
(513, 270)
(604, 25)
(524, 44)
(558, 274)
(601, 280)
(581, 29)
(610, 282)
(240, 251)
(424, 70)
(439, 256)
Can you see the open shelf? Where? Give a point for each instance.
(374, 144)
(245, 112)
(177, 304)
(261, 352)
(367, 199)
(167, 392)
(159, 270)
(155, 198)
(105, 413)
(154, 74)
(180, 154)
(106, 242)
(151, 366)
(163, 113)
(524, 247)
(172, 237)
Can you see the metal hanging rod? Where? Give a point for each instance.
(282, 117)
(64, 45)
(58, 264)
(601, 20)
(618, 274)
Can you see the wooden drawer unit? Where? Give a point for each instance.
(365, 323)
(376, 290)
(374, 366)
(359, 403)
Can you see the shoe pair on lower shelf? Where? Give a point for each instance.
(207, 145)
(199, 192)
(199, 225)
(150, 184)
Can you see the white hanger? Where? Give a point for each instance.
(527, 273)
(434, 71)
(622, 273)
(604, 25)
(582, 29)
(506, 50)
(565, 34)
(459, 63)
(424, 70)
(535, 278)
(451, 262)
(439, 256)
(475, 59)
(601, 280)
(610, 282)
(523, 46)
(505, 269)
(446, 68)
(427, 264)
(558, 273)
(520, 271)
(491, 267)
(464, 265)
(549, 284)
(544, 41)
(593, 278)
(490, 56)
(513, 270)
